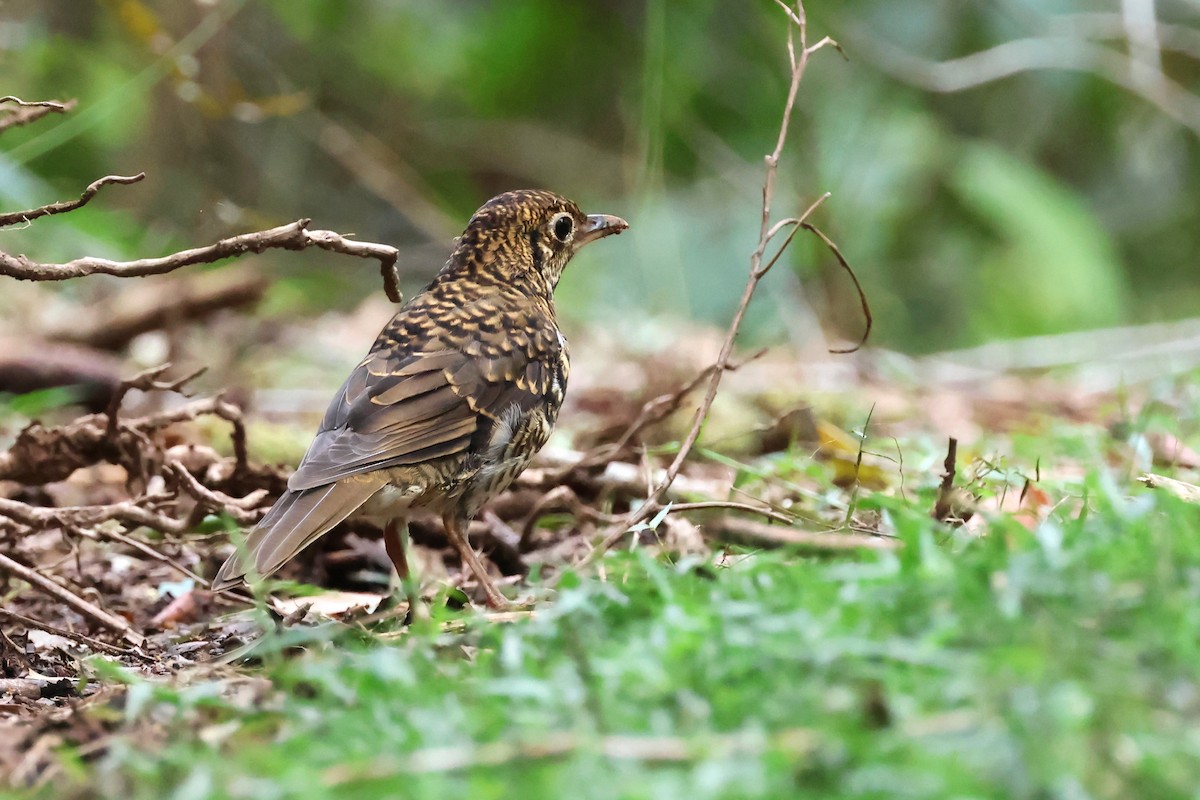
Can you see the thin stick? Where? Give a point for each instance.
(31, 111)
(652, 412)
(1056, 52)
(89, 610)
(130, 511)
(44, 455)
(853, 503)
(734, 506)
(900, 457)
(145, 381)
(752, 532)
(144, 549)
(19, 217)
(799, 61)
(53, 105)
(944, 505)
(862, 296)
(293, 236)
(95, 644)
(240, 509)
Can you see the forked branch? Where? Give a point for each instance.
(19, 217)
(798, 58)
(27, 112)
(293, 236)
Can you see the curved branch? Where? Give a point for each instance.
(19, 217)
(61, 593)
(862, 296)
(293, 236)
(1058, 52)
(31, 111)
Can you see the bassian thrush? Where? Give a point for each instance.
(457, 394)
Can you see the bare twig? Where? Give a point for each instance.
(1056, 52)
(941, 509)
(44, 455)
(862, 443)
(652, 412)
(134, 512)
(799, 61)
(52, 105)
(752, 532)
(233, 415)
(561, 498)
(731, 505)
(31, 111)
(1108, 25)
(564, 498)
(862, 296)
(100, 532)
(954, 505)
(20, 217)
(89, 610)
(620, 478)
(95, 644)
(240, 509)
(294, 236)
(794, 225)
(900, 460)
(145, 381)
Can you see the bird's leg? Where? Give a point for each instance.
(456, 533)
(395, 542)
(394, 539)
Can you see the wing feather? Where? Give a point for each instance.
(429, 389)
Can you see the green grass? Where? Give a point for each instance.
(1057, 664)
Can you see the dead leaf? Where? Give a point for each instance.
(1035, 504)
(840, 449)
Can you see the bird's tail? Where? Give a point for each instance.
(296, 520)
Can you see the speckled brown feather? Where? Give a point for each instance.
(459, 390)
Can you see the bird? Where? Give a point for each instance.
(457, 394)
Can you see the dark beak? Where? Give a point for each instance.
(597, 227)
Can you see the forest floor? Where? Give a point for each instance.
(830, 600)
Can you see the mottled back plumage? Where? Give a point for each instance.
(458, 392)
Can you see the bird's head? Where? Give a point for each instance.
(529, 232)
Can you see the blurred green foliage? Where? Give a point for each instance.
(1043, 201)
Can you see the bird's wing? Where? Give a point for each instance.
(428, 390)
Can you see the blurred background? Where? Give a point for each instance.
(998, 168)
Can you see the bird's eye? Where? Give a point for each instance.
(563, 227)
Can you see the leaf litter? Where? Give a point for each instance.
(806, 459)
